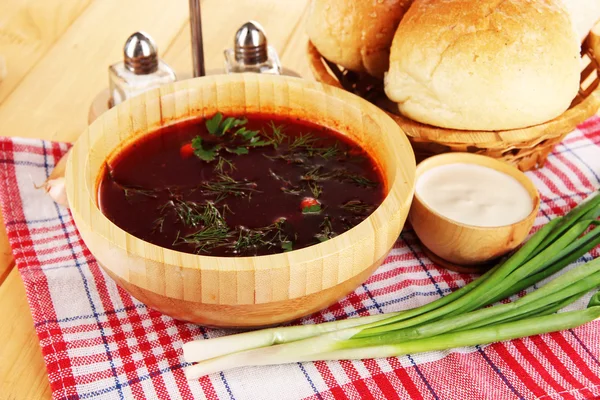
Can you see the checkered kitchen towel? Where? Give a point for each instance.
(99, 342)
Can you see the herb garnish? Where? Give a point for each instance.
(236, 138)
(214, 231)
(293, 190)
(205, 239)
(276, 137)
(270, 236)
(279, 177)
(206, 153)
(315, 189)
(225, 186)
(358, 207)
(326, 232)
(308, 145)
(359, 180)
(131, 191)
(314, 209)
(316, 174)
(222, 164)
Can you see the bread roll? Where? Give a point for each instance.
(355, 34)
(484, 65)
(584, 14)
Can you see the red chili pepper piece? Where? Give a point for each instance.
(186, 151)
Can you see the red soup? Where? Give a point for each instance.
(240, 186)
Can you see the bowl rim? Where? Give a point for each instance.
(477, 159)
(400, 191)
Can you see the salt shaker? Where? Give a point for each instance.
(251, 52)
(140, 70)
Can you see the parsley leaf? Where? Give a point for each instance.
(237, 150)
(286, 246)
(314, 209)
(213, 124)
(205, 154)
(230, 123)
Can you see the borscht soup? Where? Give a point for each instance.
(240, 185)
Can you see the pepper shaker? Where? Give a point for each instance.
(251, 52)
(140, 70)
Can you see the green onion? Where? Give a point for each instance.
(452, 321)
(331, 346)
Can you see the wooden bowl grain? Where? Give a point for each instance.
(463, 244)
(241, 291)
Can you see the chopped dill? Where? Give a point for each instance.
(315, 188)
(276, 137)
(223, 163)
(357, 207)
(268, 237)
(131, 191)
(302, 142)
(205, 239)
(293, 190)
(279, 177)
(189, 213)
(214, 231)
(308, 145)
(326, 232)
(288, 158)
(360, 180)
(225, 186)
(316, 174)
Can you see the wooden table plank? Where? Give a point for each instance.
(6, 258)
(28, 28)
(293, 54)
(279, 18)
(22, 370)
(71, 74)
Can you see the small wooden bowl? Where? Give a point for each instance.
(462, 244)
(242, 291)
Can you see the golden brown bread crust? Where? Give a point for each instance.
(484, 65)
(355, 34)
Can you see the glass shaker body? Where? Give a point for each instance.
(271, 66)
(124, 84)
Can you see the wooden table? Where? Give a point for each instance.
(56, 54)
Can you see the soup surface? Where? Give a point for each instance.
(237, 186)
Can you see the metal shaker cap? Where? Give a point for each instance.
(140, 54)
(251, 44)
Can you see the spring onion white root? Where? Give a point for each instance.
(200, 350)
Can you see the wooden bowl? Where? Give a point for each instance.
(242, 291)
(464, 244)
(526, 148)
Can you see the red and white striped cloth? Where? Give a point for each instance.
(99, 342)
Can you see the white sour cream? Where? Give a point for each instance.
(474, 195)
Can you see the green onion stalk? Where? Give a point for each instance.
(459, 319)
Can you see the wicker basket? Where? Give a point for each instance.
(525, 148)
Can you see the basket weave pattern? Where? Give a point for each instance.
(526, 148)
